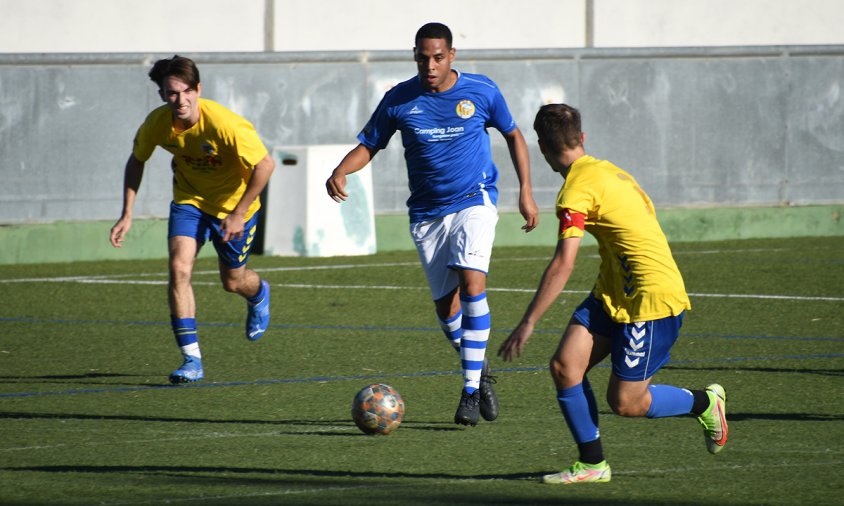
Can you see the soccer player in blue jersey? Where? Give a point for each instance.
(633, 314)
(443, 116)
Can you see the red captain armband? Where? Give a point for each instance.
(569, 219)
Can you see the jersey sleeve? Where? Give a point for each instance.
(572, 224)
(575, 203)
(249, 146)
(500, 117)
(144, 143)
(380, 128)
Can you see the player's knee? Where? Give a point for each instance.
(180, 273)
(231, 285)
(562, 374)
(624, 406)
(620, 410)
(472, 283)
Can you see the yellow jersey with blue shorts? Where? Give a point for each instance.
(638, 279)
(212, 160)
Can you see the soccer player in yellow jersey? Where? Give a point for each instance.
(633, 313)
(220, 166)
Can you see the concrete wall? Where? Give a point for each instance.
(752, 117)
(120, 26)
(734, 126)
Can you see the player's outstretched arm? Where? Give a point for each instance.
(521, 161)
(553, 281)
(132, 176)
(355, 160)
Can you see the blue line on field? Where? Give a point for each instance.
(370, 377)
(360, 327)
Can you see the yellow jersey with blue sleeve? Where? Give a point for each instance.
(638, 279)
(212, 160)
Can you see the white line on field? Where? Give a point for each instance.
(125, 279)
(338, 266)
(285, 492)
(99, 280)
(733, 467)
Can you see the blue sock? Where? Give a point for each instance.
(574, 404)
(453, 330)
(258, 296)
(667, 400)
(476, 324)
(590, 399)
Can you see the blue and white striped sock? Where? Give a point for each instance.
(453, 330)
(476, 326)
(185, 331)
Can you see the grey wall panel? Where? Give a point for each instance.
(815, 135)
(701, 127)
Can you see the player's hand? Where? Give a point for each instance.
(514, 344)
(336, 187)
(232, 227)
(119, 231)
(530, 212)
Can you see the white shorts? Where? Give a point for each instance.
(462, 240)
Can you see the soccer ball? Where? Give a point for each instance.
(378, 409)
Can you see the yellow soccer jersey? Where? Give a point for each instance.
(638, 279)
(212, 160)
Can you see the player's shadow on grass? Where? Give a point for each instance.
(339, 424)
(87, 375)
(795, 370)
(373, 493)
(79, 379)
(784, 417)
(251, 470)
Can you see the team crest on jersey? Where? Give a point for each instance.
(465, 109)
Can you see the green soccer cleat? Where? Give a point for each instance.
(580, 473)
(714, 419)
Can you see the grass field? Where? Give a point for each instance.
(87, 416)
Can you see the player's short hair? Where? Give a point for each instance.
(434, 31)
(558, 127)
(178, 66)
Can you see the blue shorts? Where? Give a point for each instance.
(187, 220)
(639, 349)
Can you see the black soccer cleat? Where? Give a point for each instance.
(469, 409)
(489, 401)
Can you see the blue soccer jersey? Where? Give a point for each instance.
(446, 145)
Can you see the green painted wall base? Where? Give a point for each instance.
(80, 241)
(680, 225)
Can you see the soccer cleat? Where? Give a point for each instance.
(714, 419)
(489, 401)
(580, 473)
(190, 371)
(258, 315)
(469, 408)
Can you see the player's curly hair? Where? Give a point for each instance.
(434, 31)
(178, 66)
(558, 127)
